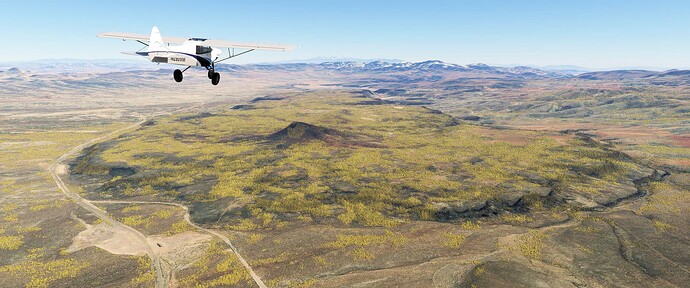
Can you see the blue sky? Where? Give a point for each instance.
(596, 34)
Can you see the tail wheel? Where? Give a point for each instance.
(177, 75)
(216, 78)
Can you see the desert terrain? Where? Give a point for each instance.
(344, 174)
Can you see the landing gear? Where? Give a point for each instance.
(213, 75)
(178, 75)
(216, 78)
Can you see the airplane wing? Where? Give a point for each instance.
(253, 46)
(214, 43)
(139, 37)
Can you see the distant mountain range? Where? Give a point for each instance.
(379, 66)
(70, 66)
(55, 66)
(618, 75)
(431, 66)
(318, 60)
(631, 74)
(668, 78)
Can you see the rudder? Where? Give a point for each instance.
(156, 41)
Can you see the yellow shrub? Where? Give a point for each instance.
(516, 218)
(395, 239)
(531, 244)
(361, 253)
(10, 242)
(469, 225)
(454, 240)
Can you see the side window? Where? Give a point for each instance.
(203, 49)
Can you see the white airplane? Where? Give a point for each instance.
(192, 52)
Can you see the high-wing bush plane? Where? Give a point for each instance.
(191, 52)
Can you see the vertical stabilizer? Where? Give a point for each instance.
(156, 41)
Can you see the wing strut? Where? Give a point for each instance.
(233, 55)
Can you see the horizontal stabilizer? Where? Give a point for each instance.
(132, 53)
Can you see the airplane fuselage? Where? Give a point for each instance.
(190, 53)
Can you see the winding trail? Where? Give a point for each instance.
(161, 281)
(225, 239)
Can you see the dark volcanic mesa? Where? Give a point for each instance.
(300, 131)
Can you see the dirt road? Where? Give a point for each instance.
(225, 239)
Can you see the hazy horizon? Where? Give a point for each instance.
(593, 34)
(323, 59)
